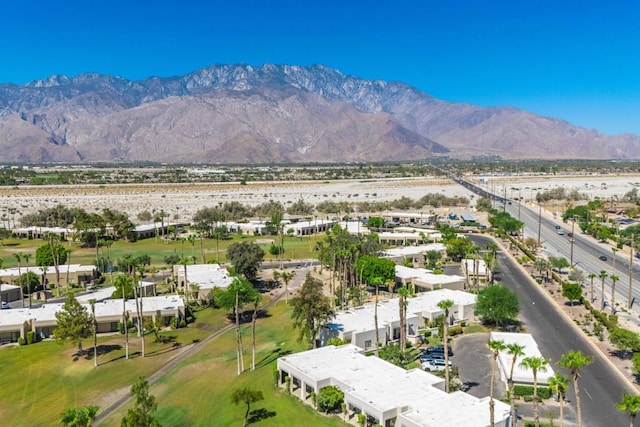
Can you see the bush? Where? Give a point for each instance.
(329, 399)
(456, 330)
(527, 391)
(30, 336)
(21, 341)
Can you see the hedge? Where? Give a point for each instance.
(527, 390)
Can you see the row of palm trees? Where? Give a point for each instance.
(573, 360)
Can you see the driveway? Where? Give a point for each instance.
(473, 359)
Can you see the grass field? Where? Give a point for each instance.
(39, 381)
(157, 249)
(198, 391)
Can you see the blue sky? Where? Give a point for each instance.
(576, 60)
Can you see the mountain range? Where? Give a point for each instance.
(272, 114)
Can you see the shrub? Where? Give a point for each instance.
(527, 391)
(456, 330)
(30, 336)
(21, 341)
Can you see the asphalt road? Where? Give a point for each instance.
(600, 386)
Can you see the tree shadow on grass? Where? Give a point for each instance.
(102, 350)
(276, 353)
(260, 414)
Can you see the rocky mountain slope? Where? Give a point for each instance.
(267, 114)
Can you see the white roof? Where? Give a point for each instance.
(520, 374)
(6, 287)
(206, 276)
(413, 250)
(112, 307)
(426, 276)
(360, 319)
(480, 268)
(354, 227)
(72, 268)
(307, 224)
(384, 386)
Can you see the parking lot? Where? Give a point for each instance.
(473, 359)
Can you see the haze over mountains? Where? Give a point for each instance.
(272, 114)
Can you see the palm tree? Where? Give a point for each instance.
(515, 350)
(286, 278)
(26, 260)
(631, 404)
(18, 257)
(122, 281)
(184, 262)
(94, 322)
(256, 302)
(614, 279)
(404, 292)
(559, 384)
(376, 281)
(446, 305)
(536, 364)
(603, 275)
(496, 346)
(574, 361)
(592, 276)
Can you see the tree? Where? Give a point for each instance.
(239, 293)
(73, 322)
(515, 350)
(246, 395)
(52, 255)
(311, 310)
(559, 263)
(329, 398)
(603, 275)
(614, 278)
(18, 257)
(572, 292)
(432, 258)
(592, 276)
(446, 305)
(143, 412)
(558, 383)
(575, 361)
(94, 327)
(497, 304)
(631, 404)
(79, 417)
(246, 258)
(536, 364)
(123, 283)
(496, 347)
(286, 277)
(624, 339)
(219, 233)
(542, 265)
(403, 292)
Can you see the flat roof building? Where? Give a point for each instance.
(386, 394)
(204, 276)
(520, 375)
(357, 325)
(424, 280)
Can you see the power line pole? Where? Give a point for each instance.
(629, 297)
(573, 226)
(539, 222)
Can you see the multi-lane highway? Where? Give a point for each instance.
(600, 386)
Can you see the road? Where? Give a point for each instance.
(600, 386)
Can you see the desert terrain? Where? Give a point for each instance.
(182, 201)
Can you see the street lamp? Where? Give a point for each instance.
(572, 240)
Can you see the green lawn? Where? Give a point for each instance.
(39, 381)
(197, 393)
(157, 249)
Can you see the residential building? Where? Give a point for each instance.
(521, 375)
(357, 325)
(204, 276)
(384, 393)
(424, 280)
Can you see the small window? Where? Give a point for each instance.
(367, 344)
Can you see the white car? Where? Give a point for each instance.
(434, 365)
(5, 305)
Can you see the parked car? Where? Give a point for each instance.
(432, 356)
(603, 258)
(438, 349)
(560, 232)
(434, 365)
(5, 305)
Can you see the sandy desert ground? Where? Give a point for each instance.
(181, 201)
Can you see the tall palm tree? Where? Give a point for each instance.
(256, 302)
(536, 364)
(515, 350)
(94, 323)
(614, 278)
(574, 361)
(403, 292)
(496, 346)
(603, 275)
(184, 262)
(122, 281)
(446, 305)
(559, 384)
(26, 257)
(18, 257)
(286, 277)
(376, 281)
(631, 404)
(591, 277)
